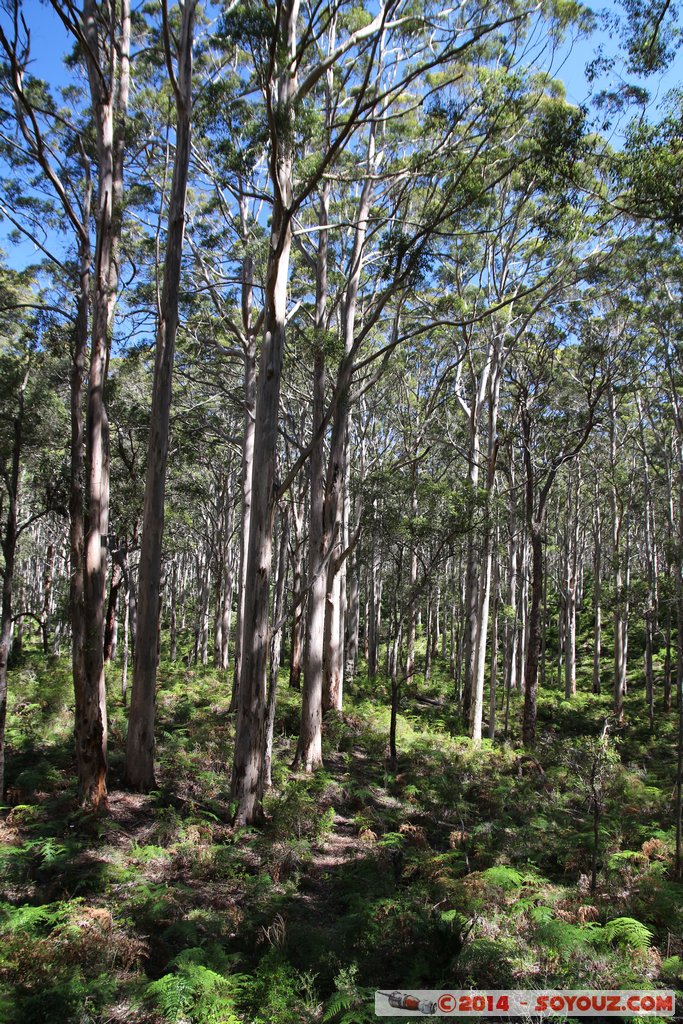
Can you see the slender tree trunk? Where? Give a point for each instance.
(276, 646)
(375, 611)
(534, 644)
(109, 104)
(353, 619)
(139, 770)
(332, 647)
(484, 590)
(494, 647)
(429, 645)
(9, 548)
(309, 752)
(126, 633)
(249, 429)
(204, 608)
(512, 622)
(46, 612)
(226, 600)
(571, 588)
(597, 593)
(523, 628)
(247, 776)
(309, 749)
(173, 624)
(296, 646)
(77, 462)
(112, 611)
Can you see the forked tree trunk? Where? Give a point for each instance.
(247, 777)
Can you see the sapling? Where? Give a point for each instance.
(594, 763)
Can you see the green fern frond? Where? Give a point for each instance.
(626, 931)
(195, 993)
(504, 877)
(672, 967)
(336, 1004)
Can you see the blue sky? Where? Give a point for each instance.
(49, 42)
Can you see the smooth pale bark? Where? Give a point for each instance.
(276, 645)
(395, 694)
(534, 643)
(247, 775)
(453, 641)
(597, 592)
(572, 559)
(494, 648)
(46, 611)
(332, 646)
(79, 354)
(173, 611)
(202, 629)
(412, 608)
(484, 589)
(296, 643)
(139, 768)
(544, 629)
(436, 622)
(248, 429)
(475, 558)
(652, 563)
(676, 530)
(429, 646)
(619, 672)
(226, 595)
(366, 617)
(353, 619)
(471, 611)
(336, 480)
(224, 575)
(309, 748)
(492, 379)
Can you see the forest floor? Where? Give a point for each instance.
(464, 867)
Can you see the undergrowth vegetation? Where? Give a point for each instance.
(463, 867)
